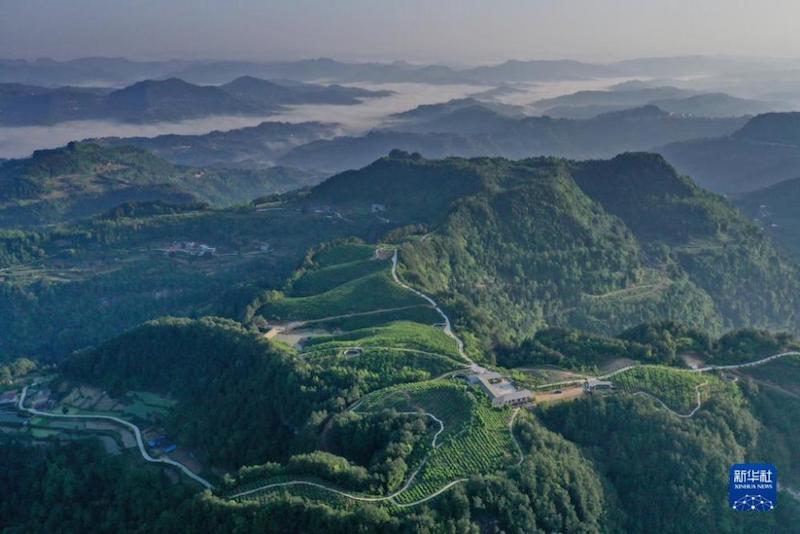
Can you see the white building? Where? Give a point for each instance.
(500, 390)
(593, 384)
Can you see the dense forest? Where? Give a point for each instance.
(539, 262)
(241, 400)
(661, 342)
(594, 246)
(586, 484)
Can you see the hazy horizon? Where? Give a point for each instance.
(463, 32)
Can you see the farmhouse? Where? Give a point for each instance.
(500, 391)
(593, 384)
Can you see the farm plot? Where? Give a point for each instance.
(483, 445)
(325, 279)
(373, 292)
(399, 334)
(476, 437)
(344, 253)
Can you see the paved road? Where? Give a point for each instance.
(762, 361)
(131, 426)
(448, 328)
(365, 498)
(705, 369)
(673, 412)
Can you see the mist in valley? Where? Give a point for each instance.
(21, 141)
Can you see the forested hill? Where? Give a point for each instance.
(203, 364)
(598, 245)
(83, 179)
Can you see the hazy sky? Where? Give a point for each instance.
(424, 30)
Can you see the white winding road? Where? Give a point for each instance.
(705, 369)
(131, 426)
(364, 498)
(473, 366)
(448, 328)
(673, 412)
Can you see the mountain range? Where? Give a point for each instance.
(533, 263)
(595, 245)
(171, 99)
(763, 152)
(250, 147)
(479, 131)
(120, 71)
(586, 104)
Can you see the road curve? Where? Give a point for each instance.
(439, 421)
(448, 328)
(673, 412)
(762, 361)
(131, 426)
(705, 369)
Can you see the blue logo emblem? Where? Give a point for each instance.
(753, 487)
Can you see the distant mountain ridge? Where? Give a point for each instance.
(251, 147)
(171, 99)
(121, 71)
(587, 104)
(478, 131)
(765, 151)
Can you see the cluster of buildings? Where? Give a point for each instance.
(500, 390)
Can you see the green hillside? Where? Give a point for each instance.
(508, 248)
(600, 246)
(84, 179)
(373, 425)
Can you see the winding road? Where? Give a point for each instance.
(363, 498)
(705, 369)
(129, 425)
(448, 327)
(673, 412)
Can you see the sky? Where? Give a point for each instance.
(449, 31)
